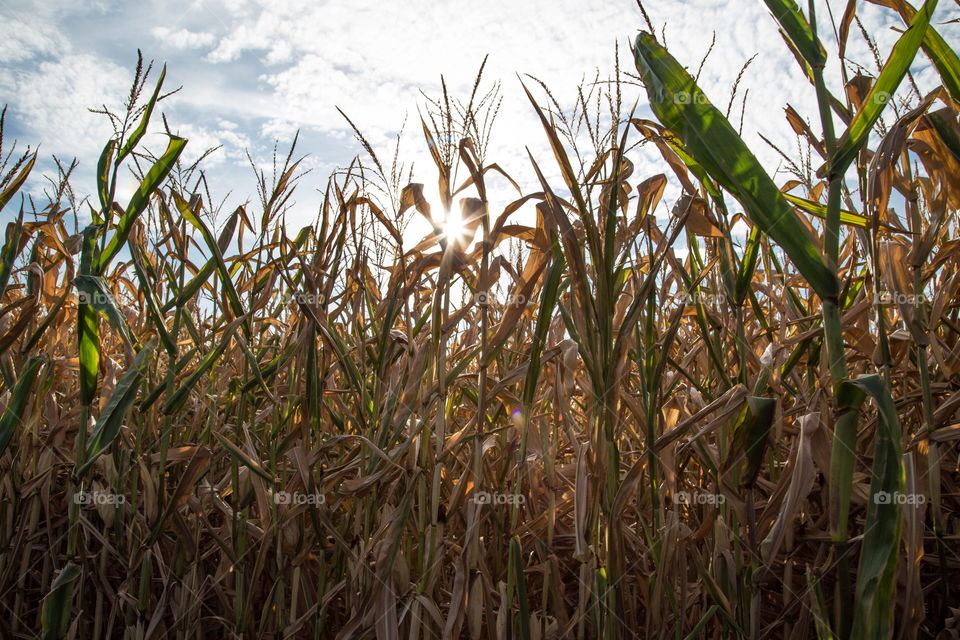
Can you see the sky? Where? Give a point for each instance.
(253, 73)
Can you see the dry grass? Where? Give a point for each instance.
(300, 427)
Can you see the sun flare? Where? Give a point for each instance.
(453, 226)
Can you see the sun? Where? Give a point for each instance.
(453, 226)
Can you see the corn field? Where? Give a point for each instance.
(555, 424)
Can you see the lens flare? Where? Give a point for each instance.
(453, 227)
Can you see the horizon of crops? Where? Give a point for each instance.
(554, 427)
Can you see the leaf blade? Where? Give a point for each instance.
(710, 139)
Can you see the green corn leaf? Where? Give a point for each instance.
(58, 604)
(942, 55)
(877, 572)
(184, 207)
(88, 323)
(747, 266)
(820, 210)
(111, 418)
(516, 563)
(697, 631)
(190, 288)
(796, 30)
(141, 197)
(88, 250)
(19, 397)
(945, 59)
(94, 292)
(153, 307)
(710, 139)
(88, 328)
(896, 66)
(103, 175)
(750, 434)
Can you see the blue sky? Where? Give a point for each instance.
(253, 72)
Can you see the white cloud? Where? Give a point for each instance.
(20, 41)
(53, 101)
(279, 129)
(183, 38)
